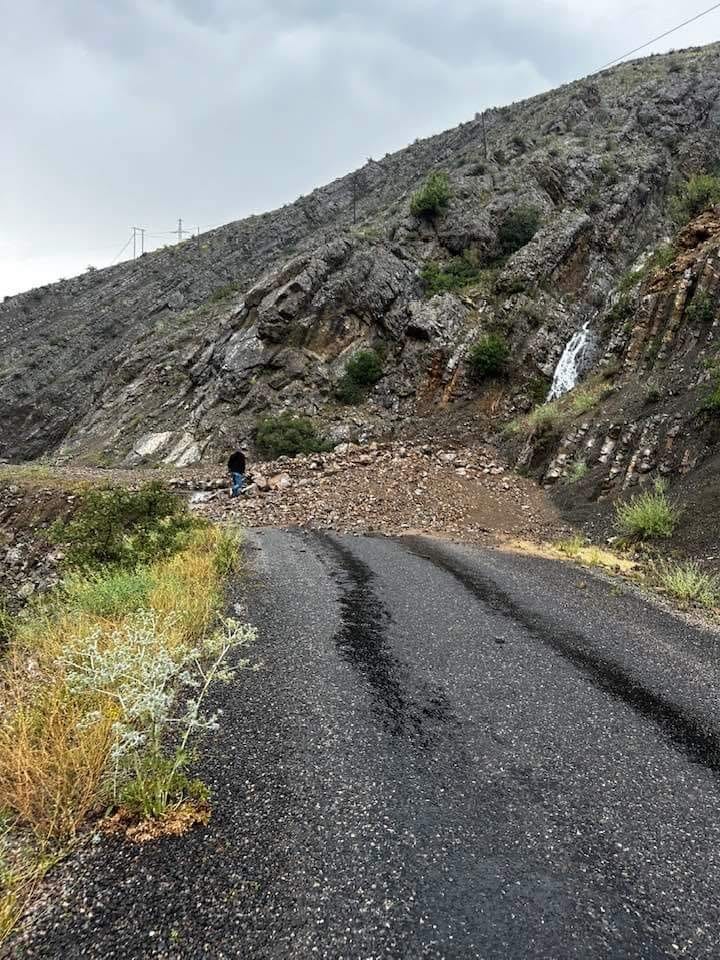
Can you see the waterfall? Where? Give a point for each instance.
(571, 363)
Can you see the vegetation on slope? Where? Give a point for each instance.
(103, 681)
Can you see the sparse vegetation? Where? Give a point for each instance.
(701, 309)
(518, 228)
(103, 684)
(287, 435)
(362, 371)
(648, 515)
(487, 356)
(688, 583)
(556, 415)
(124, 528)
(577, 472)
(712, 400)
(433, 197)
(224, 292)
(456, 274)
(699, 193)
(659, 260)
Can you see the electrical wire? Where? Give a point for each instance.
(661, 37)
(130, 240)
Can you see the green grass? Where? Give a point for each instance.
(556, 415)
(688, 583)
(577, 472)
(107, 593)
(698, 194)
(648, 516)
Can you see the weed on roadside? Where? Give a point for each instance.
(687, 582)
(648, 515)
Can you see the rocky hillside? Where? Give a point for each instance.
(544, 210)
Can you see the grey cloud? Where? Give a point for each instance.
(139, 111)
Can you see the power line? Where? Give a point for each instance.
(130, 240)
(661, 37)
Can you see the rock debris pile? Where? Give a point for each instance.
(466, 493)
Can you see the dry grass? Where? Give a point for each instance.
(55, 743)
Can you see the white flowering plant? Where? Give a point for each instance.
(158, 692)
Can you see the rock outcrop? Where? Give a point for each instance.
(661, 365)
(173, 357)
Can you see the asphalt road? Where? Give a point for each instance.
(447, 753)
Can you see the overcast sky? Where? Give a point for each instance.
(122, 112)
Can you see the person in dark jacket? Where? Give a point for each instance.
(236, 469)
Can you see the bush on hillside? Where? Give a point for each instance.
(487, 356)
(701, 309)
(648, 515)
(362, 372)
(365, 367)
(287, 435)
(124, 528)
(518, 227)
(449, 277)
(432, 198)
(699, 193)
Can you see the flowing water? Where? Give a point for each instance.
(571, 363)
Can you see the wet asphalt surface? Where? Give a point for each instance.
(447, 753)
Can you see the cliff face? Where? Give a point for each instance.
(657, 404)
(173, 356)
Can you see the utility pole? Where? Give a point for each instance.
(180, 230)
(136, 231)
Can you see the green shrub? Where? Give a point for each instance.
(449, 277)
(124, 527)
(688, 583)
(287, 434)
(699, 193)
(362, 371)
(365, 367)
(518, 227)
(487, 356)
(648, 515)
(701, 308)
(432, 198)
(348, 391)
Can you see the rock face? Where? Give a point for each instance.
(661, 365)
(174, 357)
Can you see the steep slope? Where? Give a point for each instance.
(175, 355)
(654, 404)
